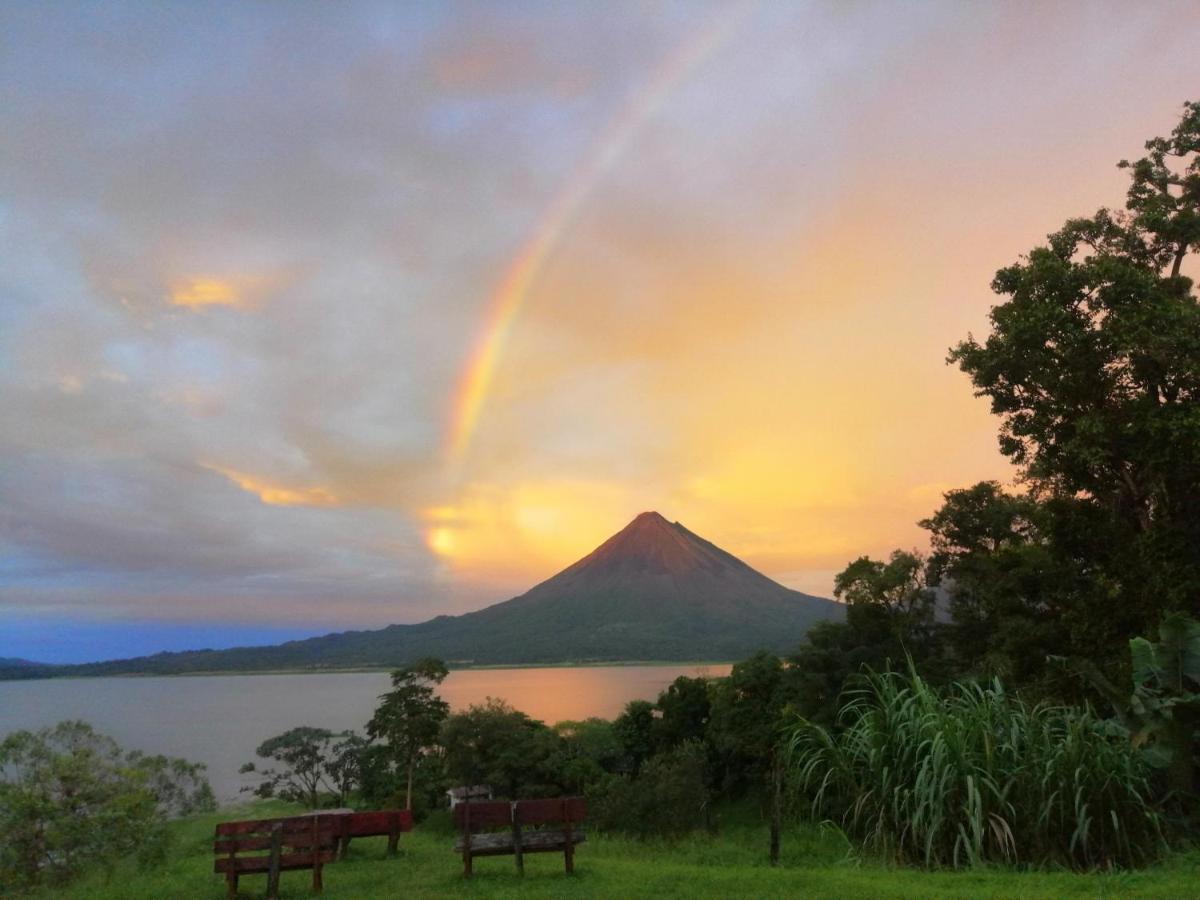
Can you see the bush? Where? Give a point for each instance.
(973, 775)
(492, 743)
(71, 798)
(668, 798)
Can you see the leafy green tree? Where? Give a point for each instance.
(747, 710)
(587, 751)
(890, 617)
(310, 762)
(492, 743)
(409, 717)
(685, 709)
(635, 729)
(71, 798)
(1093, 365)
(1162, 714)
(1016, 594)
(669, 797)
(889, 597)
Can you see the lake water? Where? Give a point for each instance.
(219, 720)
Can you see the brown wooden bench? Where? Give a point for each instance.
(479, 825)
(277, 845)
(384, 823)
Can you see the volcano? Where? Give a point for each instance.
(653, 591)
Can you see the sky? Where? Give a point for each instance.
(321, 316)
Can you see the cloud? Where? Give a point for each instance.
(247, 252)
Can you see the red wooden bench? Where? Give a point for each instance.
(385, 823)
(296, 842)
(478, 824)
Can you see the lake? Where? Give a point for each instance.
(219, 719)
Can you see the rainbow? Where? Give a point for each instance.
(522, 272)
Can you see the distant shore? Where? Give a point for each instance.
(353, 670)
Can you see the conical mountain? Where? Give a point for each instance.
(653, 591)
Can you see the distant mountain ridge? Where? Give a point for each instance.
(653, 591)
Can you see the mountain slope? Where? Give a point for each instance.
(652, 591)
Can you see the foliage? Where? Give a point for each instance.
(1093, 365)
(587, 751)
(409, 718)
(668, 798)
(747, 709)
(974, 775)
(634, 729)
(684, 709)
(890, 616)
(71, 798)
(312, 762)
(382, 787)
(492, 743)
(1162, 714)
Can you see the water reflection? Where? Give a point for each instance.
(219, 720)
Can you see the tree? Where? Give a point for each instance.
(1162, 714)
(888, 595)
(313, 761)
(410, 715)
(492, 743)
(747, 710)
(1017, 592)
(1093, 365)
(635, 728)
(685, 709)
(70, 798)
(669, 797)
(587, 751)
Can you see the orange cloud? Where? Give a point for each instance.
(237, 292)
(195, 293)
(275, 494)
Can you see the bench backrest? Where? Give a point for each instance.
(556, 811)
(313, 837)
(477, 816)
(376, 824)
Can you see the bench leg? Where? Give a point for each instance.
(273, 865)
(466, 863)
(393, 842)
(318, 882)
(231, 880)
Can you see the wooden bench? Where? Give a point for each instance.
(296, 842)
(385, 823)
(477, 823)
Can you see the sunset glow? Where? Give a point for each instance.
(405, 329)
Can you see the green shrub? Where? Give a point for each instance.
(667, 798)
(71, 798)
(974, 775)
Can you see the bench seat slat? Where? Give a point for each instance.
(287, 861)
(255, 842)
(531, 841)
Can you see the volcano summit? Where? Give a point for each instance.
(653, 591)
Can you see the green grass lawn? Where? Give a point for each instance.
(732, 864)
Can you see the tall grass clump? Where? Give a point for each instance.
(971, 775)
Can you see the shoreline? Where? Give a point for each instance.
(358, 670)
